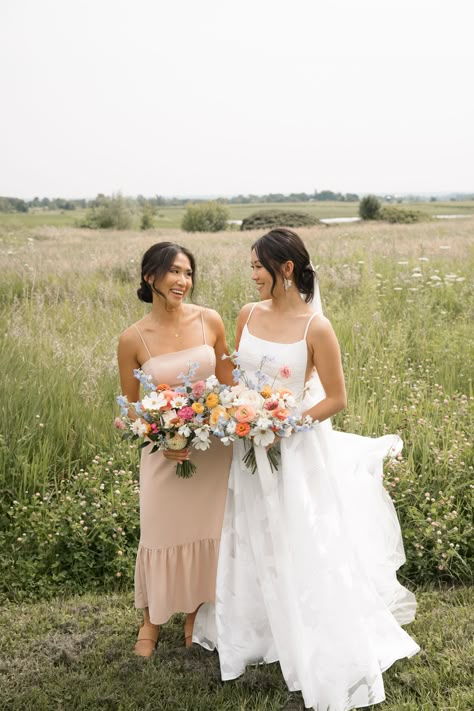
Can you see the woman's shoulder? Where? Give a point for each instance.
(246, 310)
(211, 316)
(319, 327)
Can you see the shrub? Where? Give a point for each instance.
(147, 218)
(266, 219)
(205, 217)
(397, 214)
(81, 536)
(369, 207)
(108, 213)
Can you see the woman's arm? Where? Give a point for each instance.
(127, 362)
(223, 367)
(326, 355)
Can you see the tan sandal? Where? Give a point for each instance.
(146, 640)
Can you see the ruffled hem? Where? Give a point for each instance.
(175, 579)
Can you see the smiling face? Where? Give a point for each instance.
(176, 282)
(263, 279)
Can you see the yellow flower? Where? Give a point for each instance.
(266, 391)
(198, 407)
(212, 400)
(217, 412)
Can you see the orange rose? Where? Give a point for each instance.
(163, 386)
(242, 429)
(281, 413)
(212, 400)
(244, 413)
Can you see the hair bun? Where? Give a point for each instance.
(144, 292)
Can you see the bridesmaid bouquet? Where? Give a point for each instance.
(176, 418)
(260, 414)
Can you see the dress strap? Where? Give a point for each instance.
(143, 340)
(251, 312)
(203, 329)
(307, 325)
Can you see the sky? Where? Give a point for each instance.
(213, 98)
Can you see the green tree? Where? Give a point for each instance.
(109, 213)
(205, 217)
(369, 207)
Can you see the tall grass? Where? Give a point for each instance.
(400, 299)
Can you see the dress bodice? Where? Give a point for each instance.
(254, 350)
(166, 368)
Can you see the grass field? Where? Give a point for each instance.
(76, 654)
(401, 300)
(170, 217)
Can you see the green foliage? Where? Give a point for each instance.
(369, 207)
(108, 213)
(205, 217)
(266, 219)
(79, 536)
(147, 217)
(9, 204)
(400, 215)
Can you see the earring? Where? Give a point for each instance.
(287, 283)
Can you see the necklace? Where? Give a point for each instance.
(175, 330)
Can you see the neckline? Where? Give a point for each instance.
(183, 350)
(278, 343)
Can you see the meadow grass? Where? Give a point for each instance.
(76, 654)
(399, 296)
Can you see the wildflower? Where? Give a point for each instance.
(119, 424)
(285, 372)
(264, 437)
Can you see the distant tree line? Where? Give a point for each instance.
(12, 204)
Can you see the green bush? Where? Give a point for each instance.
(205, 217)
(81, 536)
(267, 219)
(147, 217)
(108, 213)
(369, 207)
(397, 214)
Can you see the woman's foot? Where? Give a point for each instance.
(147, 637)
(189, 626)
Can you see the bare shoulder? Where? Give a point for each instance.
(320, 328)
(129, 337)
(211, 316)
(244, 312)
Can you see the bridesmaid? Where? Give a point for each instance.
(180, 519)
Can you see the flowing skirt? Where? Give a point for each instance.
(307, 570)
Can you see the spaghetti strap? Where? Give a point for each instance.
(203, 329)
(251, 312)
(143, 340)
(307, 325)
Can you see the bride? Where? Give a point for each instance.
(309, 553)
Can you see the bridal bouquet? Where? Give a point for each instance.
(169, 418)
(259, 413)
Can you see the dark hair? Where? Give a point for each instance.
(282, 245)
(156, 262)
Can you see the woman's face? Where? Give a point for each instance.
(176, 283)
(263, 279)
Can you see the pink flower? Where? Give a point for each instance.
(285, 371)
(271, 405)
(245, 413)
(154, 427)
(186, 413)
(119, 424)
(198, 389)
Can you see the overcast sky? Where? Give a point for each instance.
(208, 97)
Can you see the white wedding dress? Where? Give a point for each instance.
(308, 558)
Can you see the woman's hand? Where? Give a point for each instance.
(177, 455)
